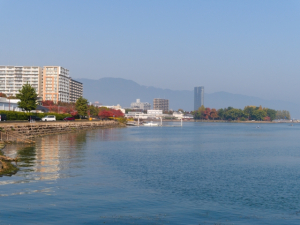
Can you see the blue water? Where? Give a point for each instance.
(201, 173)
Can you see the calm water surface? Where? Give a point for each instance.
(201, 173)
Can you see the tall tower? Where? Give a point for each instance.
(198, 97)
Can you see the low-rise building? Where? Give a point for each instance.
(154, 112)
(12, 105)
(178, 115)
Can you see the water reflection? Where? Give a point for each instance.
(49, 157)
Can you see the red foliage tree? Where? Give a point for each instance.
(47, 103)
(106, 113)
(213, 114)
(206, 113)
(2, 95)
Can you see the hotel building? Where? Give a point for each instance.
(76, 90)
(161, 104)
(12, 78)
(56, 84)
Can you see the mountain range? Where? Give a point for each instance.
(112, 91)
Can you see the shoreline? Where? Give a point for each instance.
(6, 167)
(219, 121)
(27, 132)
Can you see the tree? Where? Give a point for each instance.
(93, 110)
(248, 111)
(221, 113)
(206, 113)
(213, 114)
(2, 95)
(201, 111)
(233, 114)
(259, 114)
(27, 96)
(271, 113)
(283, 114)
(47, 103)
(81, 106)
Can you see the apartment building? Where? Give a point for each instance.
(161, 104)
(140, 105)
(56, 84)
(12, 78)
(76, 90)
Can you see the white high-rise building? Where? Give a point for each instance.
(12, 78)
(140, 105)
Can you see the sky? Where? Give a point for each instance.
(243, 47)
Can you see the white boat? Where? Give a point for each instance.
(151, 124)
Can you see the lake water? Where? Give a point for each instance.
(201, 173)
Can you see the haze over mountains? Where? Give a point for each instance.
(112, 91)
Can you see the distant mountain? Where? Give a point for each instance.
(112, 91)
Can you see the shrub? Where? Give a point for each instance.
(13, 115)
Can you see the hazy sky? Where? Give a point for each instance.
(245, 47)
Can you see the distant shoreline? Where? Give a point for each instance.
(223, 121)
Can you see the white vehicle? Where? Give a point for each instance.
(49, 118)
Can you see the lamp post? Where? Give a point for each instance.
(9, 101)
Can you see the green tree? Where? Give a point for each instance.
(259, 114)
(248, 111)
(201, 111)
(233, 114)
(81, 106)
(283, 114)
(221, 113)
(28, 97)
(271, 113)
(94, 111)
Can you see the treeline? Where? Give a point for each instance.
(248, 113)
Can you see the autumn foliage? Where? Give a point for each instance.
(60, 107)
(107, 113)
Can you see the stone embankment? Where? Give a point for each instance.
(6, 167)
(26, 132)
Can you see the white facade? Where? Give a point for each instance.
(140, 105)
(116, 107)
(154, 112)
(178, 115)
(9, 104)
(12, 78)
